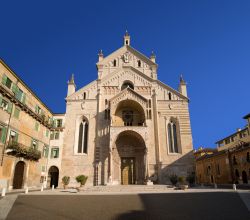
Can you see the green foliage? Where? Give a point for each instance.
(66, 180)
(19, 150)
(181, 179)
(190, 178)
(81, 179)
(173, 178)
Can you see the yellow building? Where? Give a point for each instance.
(229, 163)
(25, 123)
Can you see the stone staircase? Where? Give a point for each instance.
(125, 189)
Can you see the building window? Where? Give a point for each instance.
(4, 105)
(58, 123)
(54, 152)
(13, 136)
(52, 135)
(57, 134)
(127, 84)
(38, 110)
(169, 96)
(83, 137)
(248, 157)
(139, 63)
(6, 81)
(227, 141)
(84, 95)
(172, 138)
(114, 62)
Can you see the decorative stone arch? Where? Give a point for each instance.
(175, 120)
(127, 94)
(129, 143)
(79, 120)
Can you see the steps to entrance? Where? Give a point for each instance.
(125, 189)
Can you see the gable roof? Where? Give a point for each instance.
(128, 90)
(122, 50)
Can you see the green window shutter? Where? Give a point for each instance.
(1, 99)
(16, 112)
(36, 126)
(3, 138)
(24, 98)
(36, 109)
(4, 79)
(10, 105)
(14, 88)
(47, 132)
(16, 137)
(47, 152)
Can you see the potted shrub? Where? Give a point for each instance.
(65, 181)
(181, 181)
(190, 179)
(173, 179)
(81, 179)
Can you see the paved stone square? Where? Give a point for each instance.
(196, 204)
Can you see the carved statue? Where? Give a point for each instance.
(126, 57)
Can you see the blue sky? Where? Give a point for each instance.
(206, 40)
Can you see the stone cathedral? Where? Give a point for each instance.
(126, 127)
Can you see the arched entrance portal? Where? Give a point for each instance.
(18, 175)
(129, 158)
(244, 177)
(53, 176)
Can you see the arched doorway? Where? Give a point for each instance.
(237, 175)
(53, 176)
(18, 175)
(244, 177)
(129, 158)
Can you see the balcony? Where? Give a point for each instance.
(19, 150)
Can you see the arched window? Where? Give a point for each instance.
(139, 63)
(172, 138)
(83, 137)
(127, 84)
(169, 96)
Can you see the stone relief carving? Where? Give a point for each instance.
(126, 57)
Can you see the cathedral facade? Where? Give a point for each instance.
(126, 127)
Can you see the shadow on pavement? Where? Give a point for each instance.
(167, 206)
